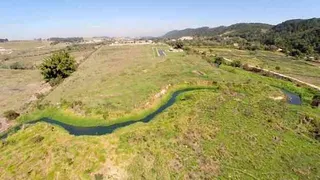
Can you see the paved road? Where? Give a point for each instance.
(161, 52)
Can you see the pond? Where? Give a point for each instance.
(292, 98)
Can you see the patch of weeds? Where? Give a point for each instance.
(316, 101)
(42, 106)
(11, 115)
(37, 139)
(98, 176)
(105, 115)
(39, 95)
(312, 125)
(236, 63)
(65, 103)
(76, 104)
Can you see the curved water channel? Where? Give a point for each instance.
(103, 130)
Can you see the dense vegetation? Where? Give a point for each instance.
(298, 37)
(58, 66)
(244, 30)
(69, 39)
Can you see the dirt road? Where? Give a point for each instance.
(283, 76)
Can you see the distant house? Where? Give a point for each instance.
(186, 38)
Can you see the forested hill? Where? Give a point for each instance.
(296, 36)
(246, 30)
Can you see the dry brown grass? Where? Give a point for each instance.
(17, 87)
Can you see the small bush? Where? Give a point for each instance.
(105, 115)
(219, 60)
(42, 105)
(11, 115)
(187, 49)
(277, 68)
(316, 101)
(236, 63)
(76, 104)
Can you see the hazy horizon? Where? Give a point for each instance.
(22, 19)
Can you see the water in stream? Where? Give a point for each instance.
(102, 130)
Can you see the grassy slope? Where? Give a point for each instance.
(122, 80)
(234, 132)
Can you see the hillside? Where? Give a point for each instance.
(297, 36)
(245, 30)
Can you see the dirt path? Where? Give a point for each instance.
(283, 76)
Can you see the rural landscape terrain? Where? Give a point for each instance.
(232, 102)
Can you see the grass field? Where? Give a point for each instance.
(234, 132)
(270, 60)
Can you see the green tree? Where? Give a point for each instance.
(236, 63)
(219, 60)
(58, 66)
(178, 45)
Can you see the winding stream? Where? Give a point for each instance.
(103, 130)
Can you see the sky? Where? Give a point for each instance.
(28, 19)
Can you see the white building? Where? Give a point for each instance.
(186, 38)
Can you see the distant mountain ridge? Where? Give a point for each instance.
(233, 30)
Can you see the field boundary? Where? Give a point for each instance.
(279, 75)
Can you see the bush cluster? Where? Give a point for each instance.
(11, 115)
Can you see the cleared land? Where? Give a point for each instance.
(237, 131)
